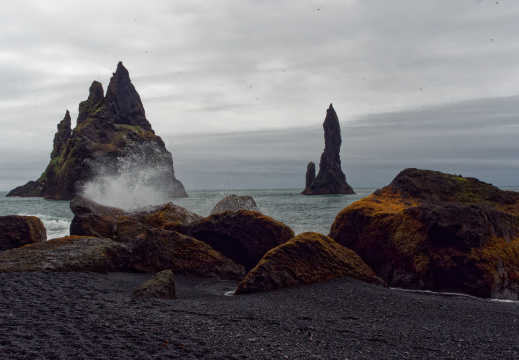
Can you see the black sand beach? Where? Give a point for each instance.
(91, 316)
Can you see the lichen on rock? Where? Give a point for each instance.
(307, 258)
(435, 231)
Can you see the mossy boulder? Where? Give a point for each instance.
(71, 253)
(435, 231)
(16, 231)
(307, 258)
(234, 203)
(156, 250)
(112, 136)
(243, 236)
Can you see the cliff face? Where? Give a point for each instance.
(112, 133)
(330, 179)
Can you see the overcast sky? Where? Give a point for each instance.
(239, 89)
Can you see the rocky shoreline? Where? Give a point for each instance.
(68, 315)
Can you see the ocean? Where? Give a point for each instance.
(302, 213)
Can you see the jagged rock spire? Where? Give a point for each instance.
(330, 179)
(123, 100)
(62, 135)
(95, 98)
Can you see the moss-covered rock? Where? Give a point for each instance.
(109, 129)
(16, 231)
(71, 253)
(307, 258)
(93, 219)
(243, 236)
(430, 230)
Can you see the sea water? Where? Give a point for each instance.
(300, 212)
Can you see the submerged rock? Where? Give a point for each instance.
(16, 231)
(307, 258)
(234, 203)
(112, 136)
(429, 230)
(71, 253)
(330, 179)
(160, 286)
(243, 236)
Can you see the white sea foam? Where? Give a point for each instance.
(56, 226)
(133, 181)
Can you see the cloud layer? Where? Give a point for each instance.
(427, 84)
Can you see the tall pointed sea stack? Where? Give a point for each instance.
(112, 135)
(330, 179)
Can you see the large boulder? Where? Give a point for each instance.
(93, 219)
(243, 236)
(307, 258)
(160, 286)
(330, 179)
(234, 203)
(16, 231)
(156, 250)
(430, 230)
(112, 137)
(71, 253)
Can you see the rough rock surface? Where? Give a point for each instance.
(330, 179)
(93, 219)
(243, 236)
(157, 250)
(160, 286)
(234, 203)
(429, 230)
(71, 253)
(307, 258)
(16, 231)
(109, 130)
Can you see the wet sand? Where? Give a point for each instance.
(91, 316)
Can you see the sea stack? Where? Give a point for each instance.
(330, 179)
(111, 135)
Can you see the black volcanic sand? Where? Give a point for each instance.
(91, 316)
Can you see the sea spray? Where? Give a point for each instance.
(142, 177)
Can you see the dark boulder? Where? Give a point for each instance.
(93, 219)
(71, 253)
(16, 231)
(112, 136)
(160, 286)
(330, 179)
(243, 236)
(307, 258)
(429, 230)
(234, 203)
(156, 250)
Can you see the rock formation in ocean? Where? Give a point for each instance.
(112, 136)
(310, 174)
(330, 179)
(434, 231)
